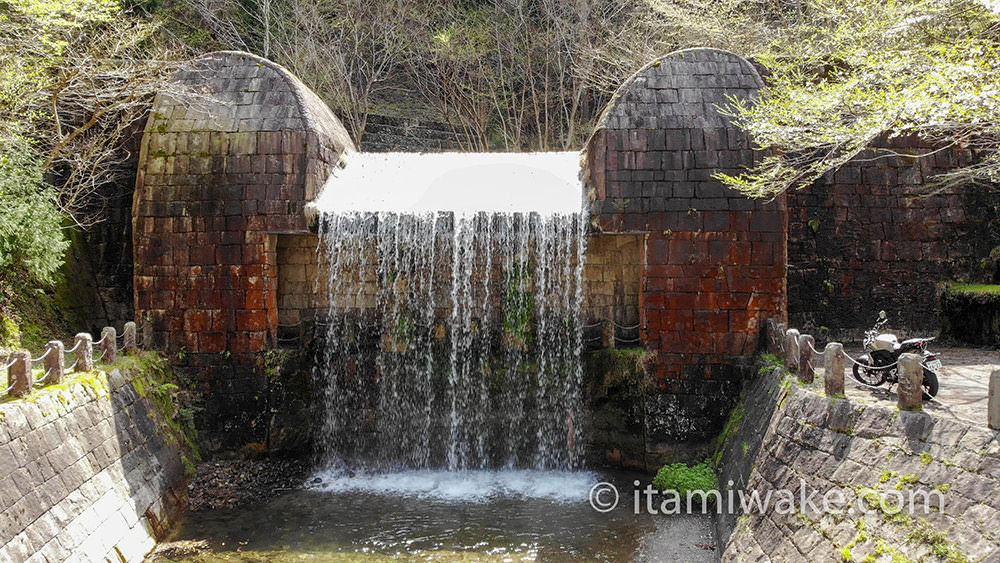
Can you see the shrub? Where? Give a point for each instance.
(682, 478)
(31, 236)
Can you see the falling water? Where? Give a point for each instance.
(453, 332)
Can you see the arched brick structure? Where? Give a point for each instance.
(714, 261)
(230, 155)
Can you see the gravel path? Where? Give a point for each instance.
(964, 381)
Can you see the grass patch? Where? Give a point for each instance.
(990, 289)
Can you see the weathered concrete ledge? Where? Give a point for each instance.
(89, 471)
(791, 437)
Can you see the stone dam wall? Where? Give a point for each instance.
(791, 437)
(713, 261)
(88, 472)
(678, 264)
(230, 156)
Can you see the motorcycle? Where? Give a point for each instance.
(878, 364)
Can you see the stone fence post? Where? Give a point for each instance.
(792, 348)
(608, 334)
(994, 406)
(771, 326)
(129, 344)
(805, 345)
(109, 345)
(19, 375)
(84, 344)
(54, 361)
(147, 333)
(909, 392)
(833, 364)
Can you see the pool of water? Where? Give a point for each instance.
(445, 517)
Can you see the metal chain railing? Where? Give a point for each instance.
(43, 356)
(814, 350)
(22, 375)
(44, 376)
(615, 337)
(778, 335)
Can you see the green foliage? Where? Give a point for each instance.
(31, 237)
(976, 288)
(153, 378)
(683, 478)
(36, 33)
(732, 425)
(518, 305)
(10, 334)
(766, 363)
(852, 73)
(923, 532)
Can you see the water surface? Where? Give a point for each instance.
(414, 516)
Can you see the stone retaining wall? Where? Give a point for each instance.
(875, 235)
(87, 473)
(861, 450)
(394, 134)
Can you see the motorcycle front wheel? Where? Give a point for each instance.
(867, 375)
(930, 384)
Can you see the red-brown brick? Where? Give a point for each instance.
(714, 266)
(219, 176)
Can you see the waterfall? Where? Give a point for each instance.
(453, 334)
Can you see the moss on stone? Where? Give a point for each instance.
(732, 425)
(979, 288)
(95, 382)
(153, 378)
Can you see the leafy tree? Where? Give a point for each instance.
(75, 78)
(31, 237)
(852, 73)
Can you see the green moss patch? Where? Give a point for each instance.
(685, 478)
(154, 379)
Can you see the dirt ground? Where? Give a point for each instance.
(229, 483)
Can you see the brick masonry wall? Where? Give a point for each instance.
(612, 278)
(87, 473)
(301, 294)
(839, 444)
(875, 236)
(612, 274)
(230, 156)
(715, 260)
